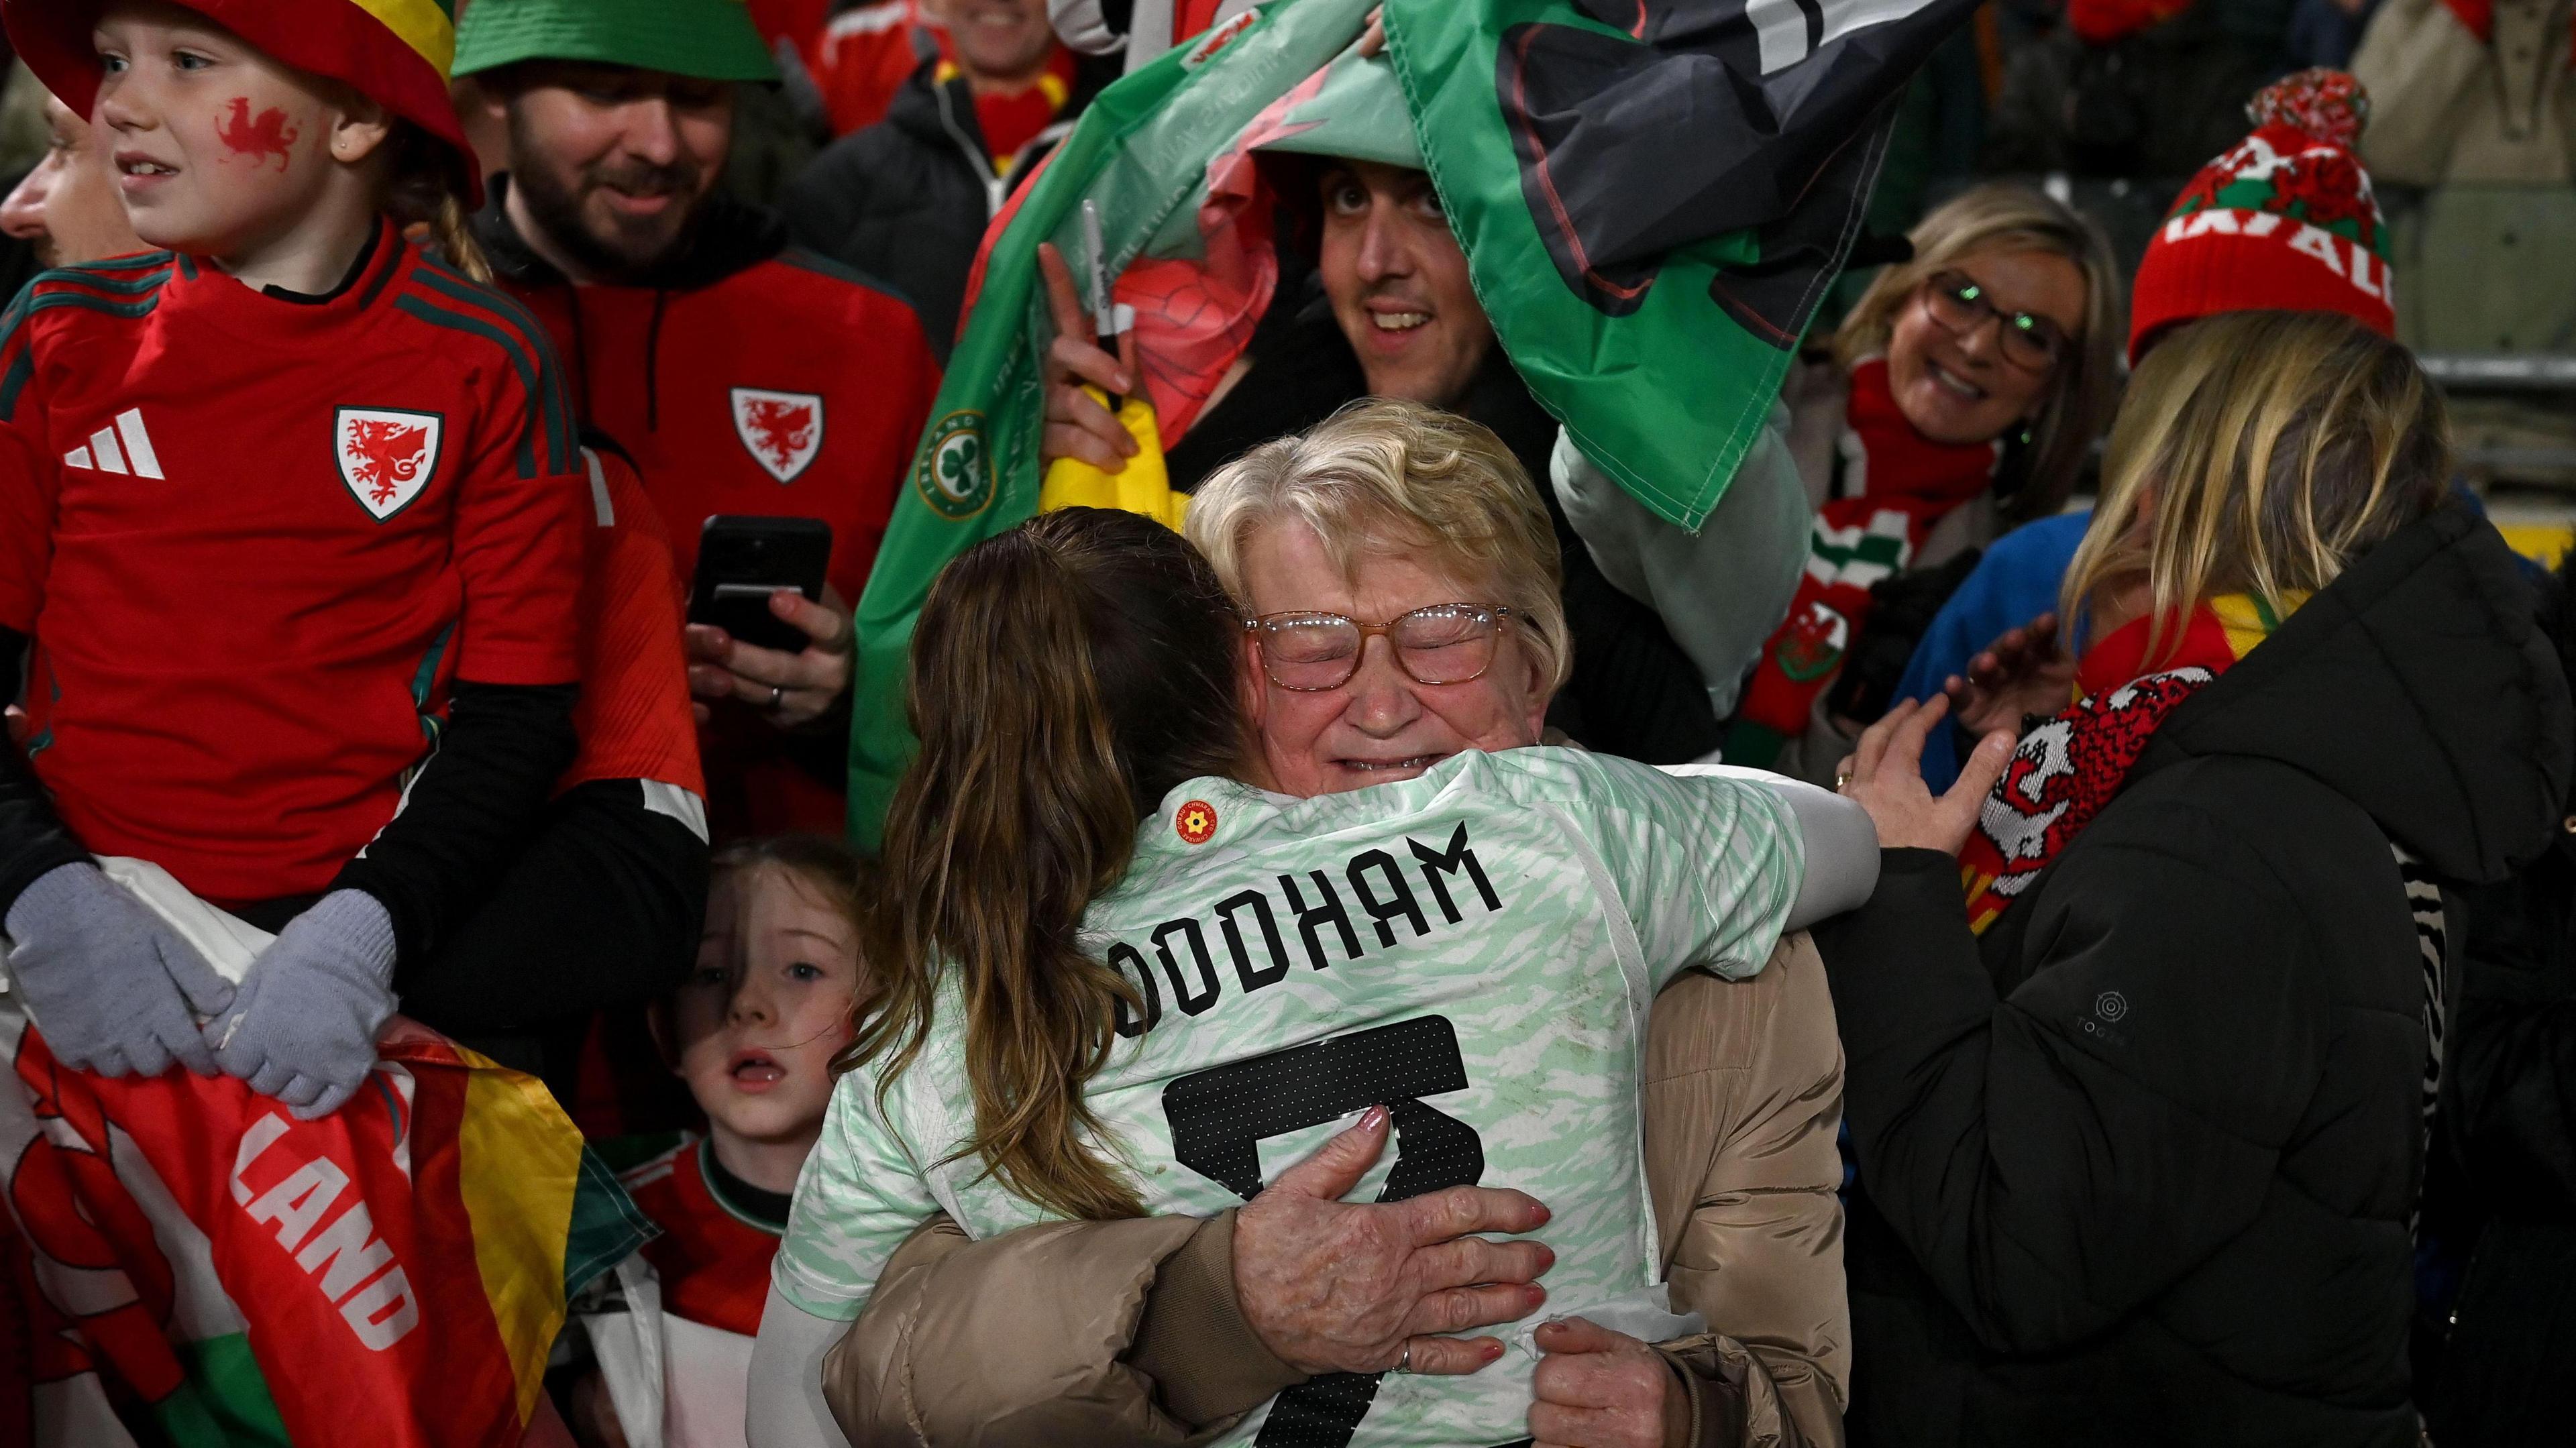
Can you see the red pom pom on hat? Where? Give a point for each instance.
(2323, 104)
(2284, 220)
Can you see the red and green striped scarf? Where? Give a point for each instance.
(2067, 769)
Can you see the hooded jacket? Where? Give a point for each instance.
(743, 376)
(2138, 1165)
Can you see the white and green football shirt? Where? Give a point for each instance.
(1476, 948)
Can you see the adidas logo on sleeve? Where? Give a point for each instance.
(122, 448)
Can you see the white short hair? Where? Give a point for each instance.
(1384, 477)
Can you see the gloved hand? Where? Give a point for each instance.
(304, 1028)
(111, 986)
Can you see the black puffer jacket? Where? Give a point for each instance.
(907, 199)
(2137, 1165)
(2509, 1123)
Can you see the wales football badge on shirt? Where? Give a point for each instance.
(386, 456)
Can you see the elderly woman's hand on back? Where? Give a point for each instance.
(1333, 1286)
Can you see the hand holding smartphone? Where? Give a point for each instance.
(742, 560)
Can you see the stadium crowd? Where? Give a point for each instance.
(683, 769)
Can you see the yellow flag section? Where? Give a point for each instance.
(521, 1177)
(1143, 486)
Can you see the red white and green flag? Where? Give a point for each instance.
(184, 1262)
(1653, 196)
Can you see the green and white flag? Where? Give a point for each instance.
(1653, 196)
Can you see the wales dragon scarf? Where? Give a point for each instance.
(1900, 486)
(2065, 770)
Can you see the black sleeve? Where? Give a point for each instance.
(2509, 1074)
(605, 902)
(477, 797)
(32, 839)
(2048, 1168)
(824, 201)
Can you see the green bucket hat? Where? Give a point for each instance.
(706, 39)
(1358, 113)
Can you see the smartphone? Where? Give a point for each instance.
(742, 560)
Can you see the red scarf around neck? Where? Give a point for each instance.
(1010, 120)
(1902, 485)
(2066, 770)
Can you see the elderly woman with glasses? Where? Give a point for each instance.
(1392, 583)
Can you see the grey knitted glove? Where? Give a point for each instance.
(304, 1028)
(109, 984)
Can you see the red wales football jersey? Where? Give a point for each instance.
(789, 387)
(255, 538)
(713, 1261)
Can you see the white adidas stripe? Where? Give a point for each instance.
(103, 443)
(124, 447)
(138, 443)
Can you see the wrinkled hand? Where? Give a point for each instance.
(304, 1028)
(2024, 672)
(113, 989)
(1077, 424)
(1333, 1286)
(1885, 777)
(807, 682)
(1601, 1389)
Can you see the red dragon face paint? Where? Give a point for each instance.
(259, 139)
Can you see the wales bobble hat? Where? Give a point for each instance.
(2284, 221)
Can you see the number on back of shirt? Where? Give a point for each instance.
(1219, 1118)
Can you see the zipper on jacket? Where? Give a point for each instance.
(996, 191)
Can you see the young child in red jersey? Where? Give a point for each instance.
(291, 513)
(753, 1033)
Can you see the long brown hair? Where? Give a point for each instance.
(1065, 675)
(2259, 452)
(2005, 217)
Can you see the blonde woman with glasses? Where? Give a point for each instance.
(1958, 400)
(2140, 1110)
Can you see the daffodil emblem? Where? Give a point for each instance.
(1196, 822)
